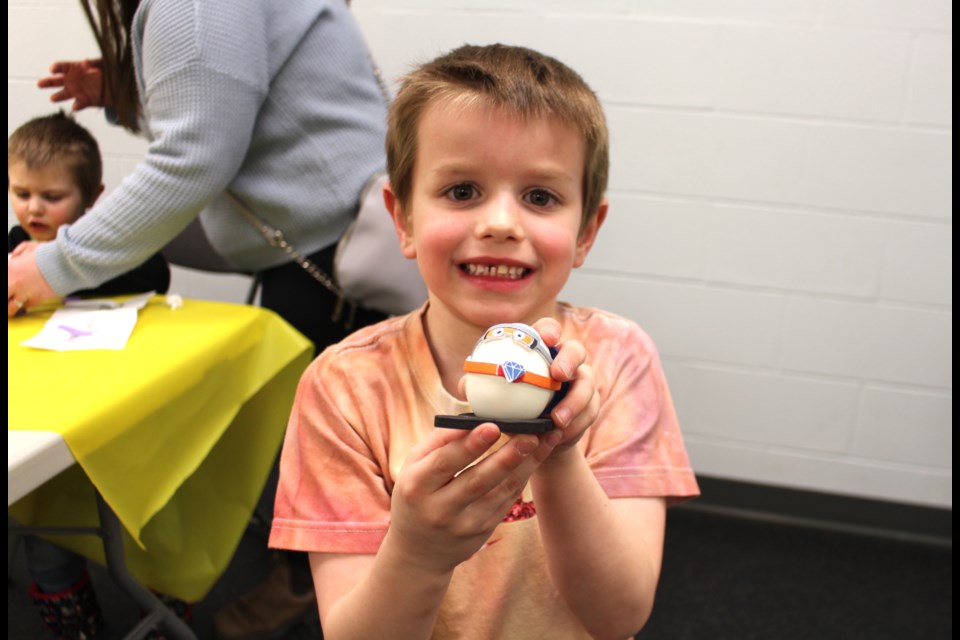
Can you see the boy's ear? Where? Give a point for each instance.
(96, 196)
(400, 222)
(589, 234)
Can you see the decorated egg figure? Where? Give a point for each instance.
(508, 374)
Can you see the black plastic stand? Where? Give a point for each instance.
(469, 421)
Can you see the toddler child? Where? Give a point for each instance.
(54, 174)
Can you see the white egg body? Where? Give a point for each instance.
(493, 396)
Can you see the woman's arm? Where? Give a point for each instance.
(195, 151)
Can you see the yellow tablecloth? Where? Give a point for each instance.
(178, 432)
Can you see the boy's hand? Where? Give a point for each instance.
(80, 81)
(579, 409)
(443, 509)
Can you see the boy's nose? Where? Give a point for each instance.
(501, 220)
(35, 205)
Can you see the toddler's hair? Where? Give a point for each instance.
(43, 141)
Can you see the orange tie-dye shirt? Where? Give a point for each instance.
(365, 402)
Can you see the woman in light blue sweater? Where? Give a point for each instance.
(274, 103)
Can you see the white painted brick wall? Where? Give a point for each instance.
(932, 71)
(781, 210)
(828, 73)
(795, 250)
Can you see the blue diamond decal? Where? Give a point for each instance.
(512, 371)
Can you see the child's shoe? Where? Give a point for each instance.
(71, 614)
(269, 611)
(180, 608)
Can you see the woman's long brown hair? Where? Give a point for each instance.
(111, 21)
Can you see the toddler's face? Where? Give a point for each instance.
(495, 212)
(44, 199)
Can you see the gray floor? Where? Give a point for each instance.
(248, 567)
(723, 577)
(748, 578)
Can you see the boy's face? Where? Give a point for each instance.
(44, 199)
(495, 211)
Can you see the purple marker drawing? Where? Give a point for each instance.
(74, 332)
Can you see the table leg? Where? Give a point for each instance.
(117, 566)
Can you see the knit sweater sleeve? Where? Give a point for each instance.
(199, 115)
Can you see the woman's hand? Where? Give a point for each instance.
(579, 408)
(449, 498)
(80, 81)
(26, 286)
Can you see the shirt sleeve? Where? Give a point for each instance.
(635, 447)
(195, 149)
(331, 495)
(152, 275)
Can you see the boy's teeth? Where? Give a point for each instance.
(495, 271)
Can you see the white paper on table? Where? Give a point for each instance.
(86, 325)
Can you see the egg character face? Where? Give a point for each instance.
(508, 374)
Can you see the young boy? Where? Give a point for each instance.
(54, 174)
(498, 164)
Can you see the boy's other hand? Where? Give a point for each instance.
(455, 488)
(80, 81)
(579, 408)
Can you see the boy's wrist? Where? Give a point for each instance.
(423, 566)
(559, 461)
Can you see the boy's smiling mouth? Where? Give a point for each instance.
(509, 272)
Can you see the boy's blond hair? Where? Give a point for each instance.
(59, 138)
(524, 82)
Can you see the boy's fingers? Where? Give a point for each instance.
(447, 452)
(503, 474)
(569, 356)
(576, 403)
(438, 438)
(549, 330)
(568, 361)
(586, 415)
